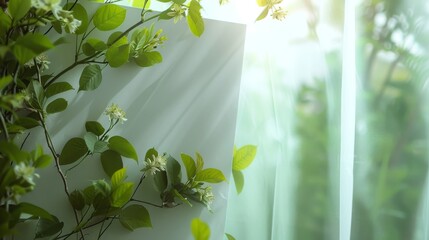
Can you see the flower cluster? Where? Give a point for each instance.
(115, 113)
(277, 12)
(65, 17)
(155, 41)
(176, 11)
(206, 195)
(154, 165)
(25, 174)
(41, 61)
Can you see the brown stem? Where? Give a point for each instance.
(73, 65)
(3, 124)
(148, 203)
(57, 165)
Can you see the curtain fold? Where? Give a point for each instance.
(339, 117)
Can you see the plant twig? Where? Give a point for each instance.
(57, 165)
(148, 203)
(3, 124)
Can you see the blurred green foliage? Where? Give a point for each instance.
(391, 130)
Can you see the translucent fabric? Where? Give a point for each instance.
(334, 98)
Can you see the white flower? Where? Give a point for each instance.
(65, 17)
(47, 5)
(279, 13)
(115, 113)
(41, 60)
(67, 20)
(154, 165)
(206, 195)
(176, 12)
(26, 172)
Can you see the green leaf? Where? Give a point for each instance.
(118, 177)
(38, 152)
(57, 26)
(173, 171)
(73, 150)
(89, 194)
(211, 175)
(189, 165)
(103, 207)
(243, 157)
(35, 211)
(77, 200)
(263, 14)
(46, 228)
(151, 152)
(58, 105)
(37, 94)
(94, 127)
(200, 230)
(115, 41)
(123, 147)
(118, 56)
(101, 186)
(5, 23)
(29, 46)
(90, 140)
(18, 8)
(147, 59)
(43, 161)
(122, 194)
(93, 45)
(12, 151)
(183, 199)
(262, 3)
(200, 162)
(238, 180)
(160, 181)
(27, 122)
(164, 15)
(141, 3)
(79, 13)
(195, 21)
(90, 78)
(180, 2)
(57, 88)
(135, 216)
(111, 162)
(109, 17)
(61, 40)
(4, 81)
(229, 236)
(101, 146)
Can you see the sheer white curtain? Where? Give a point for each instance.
(334, 99)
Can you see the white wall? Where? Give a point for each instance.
(187, 103)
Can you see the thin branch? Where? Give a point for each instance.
(3, 125)
(25, 140)
(107, 227)
(57, 165)
(148, 203)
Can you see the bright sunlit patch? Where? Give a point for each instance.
(248, 10)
